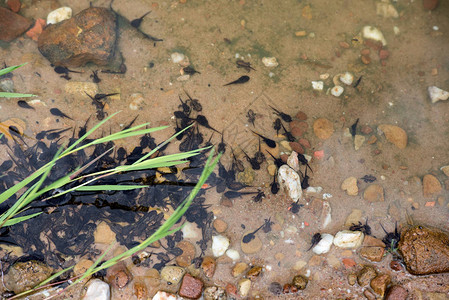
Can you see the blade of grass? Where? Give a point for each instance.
(10, 69)
(13, 221)
(15, 95)
(92, 188)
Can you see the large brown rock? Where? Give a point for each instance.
(25, 275)
(90, 36)
(425, 250)
(12, 25)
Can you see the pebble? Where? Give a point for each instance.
(348, 239)
(188, 253)
(386, 10)
(214, 293)
(337, 91)
(238, 269)
(191, 287)
(365, 59)
(436, 94)
(190, 231)
(365, 275)
(290, 181)
(445, 170)
(324, 245)
(135, 101)
(79, 88)
(297, 132)
(323, 128)
(271, 168)
(379, 284)
(233, 254)
(373, 33)
(318, 85)
(25, 275)
(172, 274)
(254, 272)
(177, 57)
(254, 246)
(384, 54)
(62, 43)
(293, 162)
(347, 78)
(299, 265)
(140, 290)
(35, 31)
(103, 234)
(161, 295)
(286, 145)
(366, 129)
(12, 25)
(220, 225)
(275, 288)
(350, 186)
(394, 135)
(244, 285)
(14, 5)
(352, 279)
(97, 290)
(374, 193)
(270, 62)
(397, 292)
(300, 282)
(208, 266)
(59, 15)
(118, 275)
(300, 33)
(220, 244)
(431, 186)
(372, 249)
(354, 217)
(301, 116)
(359, 140)
(430, 4)
(305, 143)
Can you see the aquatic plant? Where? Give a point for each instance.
(38, 191)
(12, 95)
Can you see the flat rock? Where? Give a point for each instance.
(430, 185)
(244, 285)
(323, 128)
(374, 193)
(425, 251)
(12, 25)
(379, 284)
(103, 234)
(238, 269)
(172, 274)
(348, 239)
(188, 253)
(90, 36)
(395, 135)
(397, 292)
(365, 275)
(372, 249)
(254, 246)
(350, 186)
(22, 276)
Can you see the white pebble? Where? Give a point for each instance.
(219, 245)
(271, 74)
(317, 85)
(327, 196)
(324, 76)
(348, 239)
(160, 295)
(436, 28)
(347, 78)
(136, 101)
(270, 62)
(183, 77)
(290, 181)
(97, 290)
(59, 15)
(436, 94)
(190, 231)
(337, 90)
(324, 244)
(177, 57)
(293, 162)
(396, 30)
(233, 254)
(371, 32)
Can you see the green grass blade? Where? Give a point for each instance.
(92, 268)
(91, 188)
(10, 69)
(13, 221)
(15, 95)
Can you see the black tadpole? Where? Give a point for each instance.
(234, 194)
(270, 143)
(277, 161)
(288, 134)
(353, 128)
(58, 113)
(242, 79)
(284, 116)
(274, 185)
(253, 161)
(200, 119)
(24, 104)
(277, 125)
(136, 22)
(250, 236)
(64, 70)
(316, 238)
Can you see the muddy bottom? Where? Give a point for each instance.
(316, 41)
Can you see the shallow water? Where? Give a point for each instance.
(212, 34)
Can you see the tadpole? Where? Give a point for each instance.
(270, 143)
(284, 116)
(252, 235)
(136, 22)
(56, 112)
(316, 238)
(242, 79)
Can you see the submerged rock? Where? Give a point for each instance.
(97, 290)
(436, 94)
(348, 239)
(25, 275)
(290, 181)
(191, 287)
(90, 36)
(425, 251)
(395, 135)
(324, 245)
(12, 25)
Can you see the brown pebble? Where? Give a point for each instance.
(14, 5)
(284, 157)
(140, 291)
(366, 59)
(297, 132)
(191, 287)
(209, 265)
(305, 143)
(296, 147)
(396, 265)
(188, 253)
(371, 140)
(369, 295)
(301, 116)
(226, 202)
(365, 52)
(375, 45)
(254, 272)
(220, 225)
(365, 275)
(344, 45)
(366, 129)
(397, 293)
(384, 54)
(430, 4)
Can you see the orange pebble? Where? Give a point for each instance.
(430, 203)
(319, 154)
